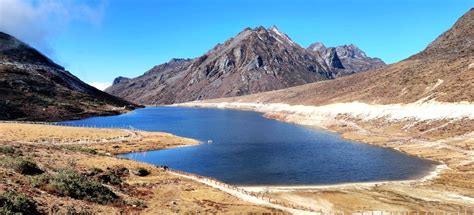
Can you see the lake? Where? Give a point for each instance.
(249, 149)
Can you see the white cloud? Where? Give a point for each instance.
(100, 85)
(36, 21)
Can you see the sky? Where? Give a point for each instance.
(98, 40)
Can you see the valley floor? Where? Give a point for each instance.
(443, 132)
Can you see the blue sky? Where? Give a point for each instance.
(99, 40)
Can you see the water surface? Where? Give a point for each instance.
(248, 149)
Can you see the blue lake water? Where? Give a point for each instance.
(249, 149)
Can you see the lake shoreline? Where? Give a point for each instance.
(448, 184)
(437, 170)
(66, 149)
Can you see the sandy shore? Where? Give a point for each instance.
(432, 175)
(437, 131)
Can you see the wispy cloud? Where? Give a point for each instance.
(100, 85)
(36, 21)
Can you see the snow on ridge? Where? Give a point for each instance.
(282, 35)
(392, 112)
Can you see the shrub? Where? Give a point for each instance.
(138, 203)
(7, 150)
(73, 211)
(141, 172)
(21, 165)
(75, 185)
(12, 203)
(27, 168)
(111, 176)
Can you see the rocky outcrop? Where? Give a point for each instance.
(255, 60)
(119, 80)
(346, 59)
(32, 87)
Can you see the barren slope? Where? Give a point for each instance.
(33, 87)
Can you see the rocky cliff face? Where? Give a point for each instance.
(32, 87)
(346, 59)
(255, 60)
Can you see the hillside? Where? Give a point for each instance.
(35, 88)
(256, 60)
(443, 72)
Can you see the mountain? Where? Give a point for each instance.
(32, 87)
(442, 72)
(256, 60)
(346, 59)
(457, 42)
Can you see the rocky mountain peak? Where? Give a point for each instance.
(318, 46)
(279, 34)
(345, 59)
(255, 60)
(351, 51)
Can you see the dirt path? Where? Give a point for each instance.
(247, 197)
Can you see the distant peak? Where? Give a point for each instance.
(351, 51)
(317, 46)
(273, 28)
(259, 28)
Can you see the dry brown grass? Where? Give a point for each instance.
(148, 141)
(39, 133)
(109, 140)
(404, 82)
(160, 192)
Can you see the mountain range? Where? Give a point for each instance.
(255, 60)
(33, 87)
(442, 72)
